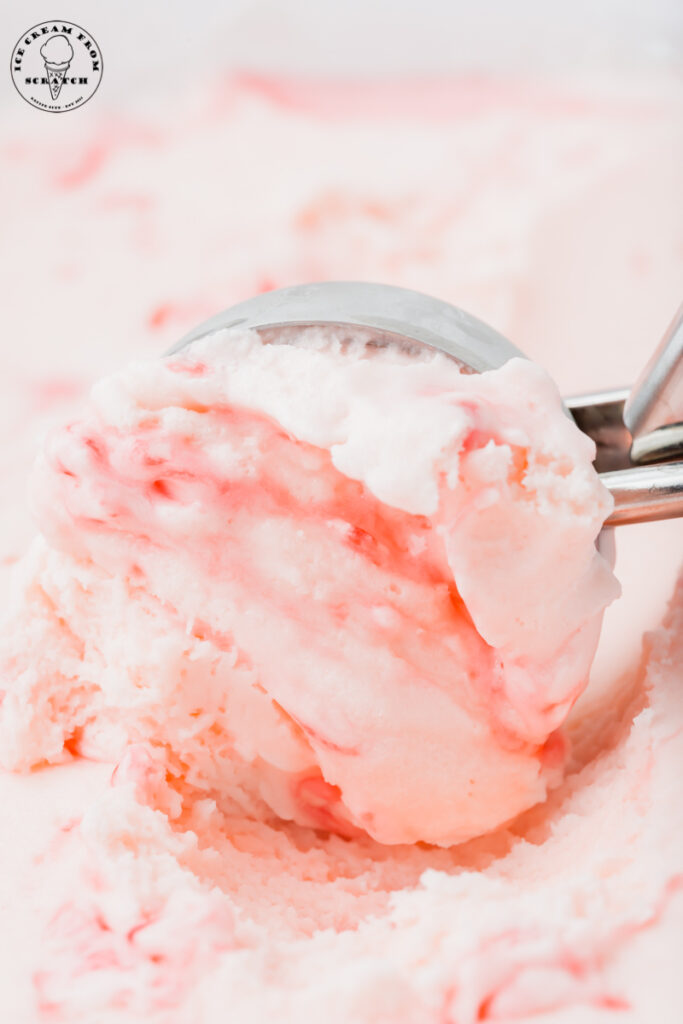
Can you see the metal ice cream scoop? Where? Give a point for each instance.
(639, 434)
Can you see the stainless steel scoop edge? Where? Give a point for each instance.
(388, 311)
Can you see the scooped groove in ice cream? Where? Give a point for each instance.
(353, 584)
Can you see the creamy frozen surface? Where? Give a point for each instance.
(127, 896)
(365, 576)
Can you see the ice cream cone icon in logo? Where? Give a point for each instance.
(56, 66)
(57, 54)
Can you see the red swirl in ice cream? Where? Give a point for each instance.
(361, 579)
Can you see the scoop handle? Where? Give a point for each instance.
(639, 435)
(656, 399)
(644, 494)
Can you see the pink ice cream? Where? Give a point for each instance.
(367, 577)
(176, 852)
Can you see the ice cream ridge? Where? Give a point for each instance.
(351, 587)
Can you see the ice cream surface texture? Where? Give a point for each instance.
(160, 860)
(367, 575)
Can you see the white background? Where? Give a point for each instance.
(146, 42)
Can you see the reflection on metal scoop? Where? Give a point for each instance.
(646, 481)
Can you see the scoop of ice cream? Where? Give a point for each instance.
(356, 586)
(57, 51)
